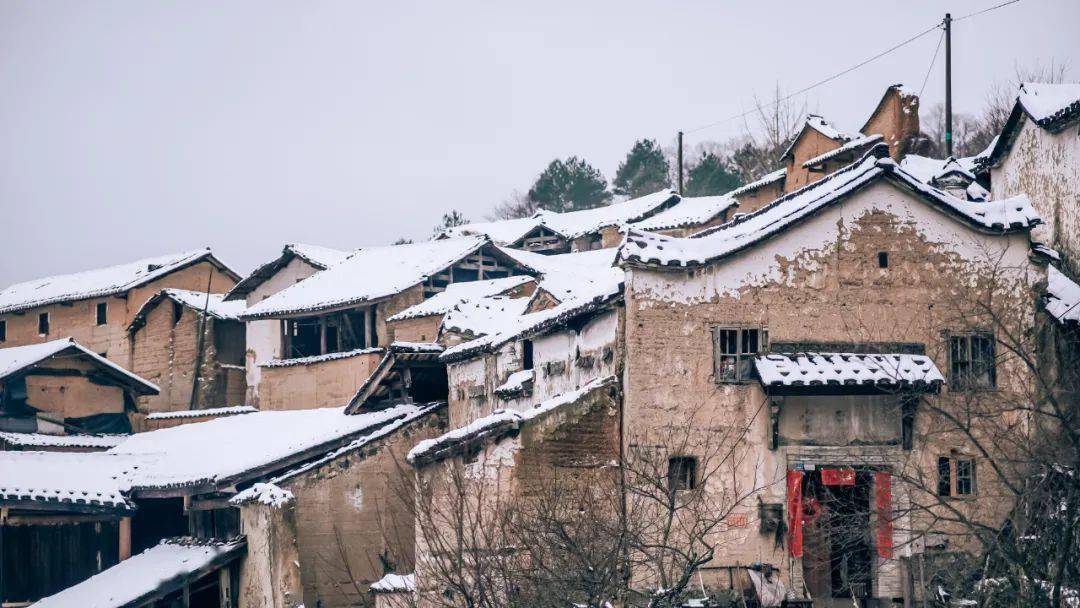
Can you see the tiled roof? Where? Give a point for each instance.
(847, 369)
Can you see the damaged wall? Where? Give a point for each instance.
(324, 382)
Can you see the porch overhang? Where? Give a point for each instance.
(847, 373)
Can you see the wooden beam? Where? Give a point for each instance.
(125, 538)
(225, 587)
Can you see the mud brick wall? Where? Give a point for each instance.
(329, 383)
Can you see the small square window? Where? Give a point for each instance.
(734, 349)
(883, 259)
(102, 311)
(972, 362)
(43, 324)
(682, 473)
(3, 330)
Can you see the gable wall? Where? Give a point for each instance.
(748, 203)
(897, 120)
(819, 281)
(1046, 167)
(79, 319)
(811, 143)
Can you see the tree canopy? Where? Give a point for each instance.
(712, 175)
(569, 185)
(644, 171)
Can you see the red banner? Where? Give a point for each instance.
(795, 524)
(883, 504)
(838, 477)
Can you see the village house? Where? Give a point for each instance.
(311, 484)
(166, 348)
(263, 338)
(333, 327)
(1038, 154)
(96, 306)
(56, 394)
(825, 326)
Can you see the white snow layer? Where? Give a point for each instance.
(231, 410)
(313, 359)
(571, 276)
(515, 382)
(1045, 102)
(140, 575)
(395, 583)
(93, 283)
(207, 452)
(269, 494)
(1063, 296)
(855, 144)
(88, 478)
(769, 178)
(456, 293)
(17, 358)
(215, 305)
(846, 369)
(369, 274)
(1016, 212)
(318, 255)
(39, 440)
(485, 315)
(689, 211)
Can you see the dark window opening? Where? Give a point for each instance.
(883, 259)
(43, 324)
(734, 350)
(956, 476)
(303, 338)
(3, 331)
(336, 332)
(682, 473)
(944, 480)
(177, 312)
(102, 313)
(526, 354)
(972, 362)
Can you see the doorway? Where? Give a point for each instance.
(838, 559)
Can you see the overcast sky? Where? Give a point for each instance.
(136, 128)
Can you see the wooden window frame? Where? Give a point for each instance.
(101, 313)
(682, 473)
(743, 360)
(47, 318)
(964, 381)
(955, 462)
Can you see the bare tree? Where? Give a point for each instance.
(517, 205)
(766, 133)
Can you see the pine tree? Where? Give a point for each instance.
(449, 220)
(644, 171)
(569, 186)
(712, 175)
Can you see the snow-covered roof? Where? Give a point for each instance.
(269, 494)
(161, 569)
(574, 224)
(395, 583)
(100, 282)
(369, 274)
(516, 383)
(456, 293)
(500, 422)
(313, 359)
(1062, 296)
(536, 323)
(1047, 103)
(232, 410)
(18, 358)
(854, 146)
(484, 315)
(504, 232)
(819, 124)
(642, 248)
(214, 304)
(216, 451)
(758, 184)
(570, 276)
(690, 211)
(847, 369)
(67, 480)
(52, 442)
(316, 256)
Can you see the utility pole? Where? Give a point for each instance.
(948, 85)
(680, 165)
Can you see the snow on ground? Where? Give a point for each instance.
(170, 562)
(93, 283)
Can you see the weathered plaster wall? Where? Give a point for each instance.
(264, 337)
(270, 572)
(819, 281)
(811, 143)
(897, 120)
(748, 203)
(79, 319)
(1046, 167)
(322, 384)
(72, 396)
(420, 329)
(354, 515)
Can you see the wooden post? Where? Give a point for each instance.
(948, 86)
(680, 161)
(225, 587)
(125, 538)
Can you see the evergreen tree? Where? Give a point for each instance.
(569, 186)
(449, 220)
(712, 175)
(644, 171)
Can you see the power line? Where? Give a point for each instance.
(932, 61)
(824, 80)
(855, 67)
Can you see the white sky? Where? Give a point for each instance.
(134, 128)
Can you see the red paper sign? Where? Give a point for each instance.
(883, 503)
(838, 477)
(795, 527)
